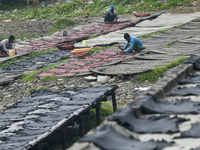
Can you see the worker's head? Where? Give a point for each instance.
(112, 8)
(11, 38)
(127, 36)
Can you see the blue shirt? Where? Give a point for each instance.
(133, 40)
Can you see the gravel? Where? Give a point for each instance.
(16, 90)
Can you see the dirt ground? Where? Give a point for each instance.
(40, 27)
(34, 26)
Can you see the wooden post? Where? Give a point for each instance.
(98, 113)
(114, 101)
(64, 138)
(81, 130)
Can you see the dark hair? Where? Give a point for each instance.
(126, 35)
(11, 37)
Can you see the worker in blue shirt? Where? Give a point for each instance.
(135, 44)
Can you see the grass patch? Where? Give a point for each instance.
(167, 45)
(30, 77)
(158, 72)
(52, 30)
(182, 25)
(157, 32)
(31, 54)
(48, 78)
(92, 37)
(196, 19)
(2, 38)
(32, 90)
(60, 23)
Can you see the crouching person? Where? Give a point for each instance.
(110, 15)
(6, 45)
(135, 44)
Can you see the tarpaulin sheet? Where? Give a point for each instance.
(187, 91)
(44, 112)
(150, 105)
(36, 62)
(195, 60)
(154, 124)
(162, 22)
(198, 148)
(191, 80)
(192, 133)
(107, 138)
(97, 59)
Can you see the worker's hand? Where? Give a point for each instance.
(121, 48)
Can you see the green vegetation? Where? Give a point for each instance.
(195, 19)
(30, 77)
(157, 32)
(47, 78)
(167, 45)
(79, 8)
(60, 23)
(9, 5)
(158, 72)
(32, 90)
(31, 54)
(92, 37)
(2, 38)
(182, 25)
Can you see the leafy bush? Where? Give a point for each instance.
(79, 8)
(60, 23)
